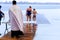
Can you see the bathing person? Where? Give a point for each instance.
(28, 13)
(34, 14)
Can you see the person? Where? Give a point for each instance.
(16, 20)
(28, 13)
(34, 14)
(0, 34)
(1, 14)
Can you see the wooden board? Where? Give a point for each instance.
(30, 30)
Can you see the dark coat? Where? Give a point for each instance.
(1, 14)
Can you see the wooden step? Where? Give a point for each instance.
(28, 35)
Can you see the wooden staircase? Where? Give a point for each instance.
(29, 29)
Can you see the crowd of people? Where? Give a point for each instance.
(16, 18)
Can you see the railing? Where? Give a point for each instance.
(6, 24)
(6, 29)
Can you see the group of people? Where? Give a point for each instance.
(16, 18)
(29, 11)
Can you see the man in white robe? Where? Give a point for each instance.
(16, 20)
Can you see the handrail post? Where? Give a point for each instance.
(6, 28)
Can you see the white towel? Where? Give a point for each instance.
(17, 15)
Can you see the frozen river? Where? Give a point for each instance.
(48, 21)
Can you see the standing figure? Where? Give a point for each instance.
(28, 13)
(16, 20)
(1, 15)
(34, 14)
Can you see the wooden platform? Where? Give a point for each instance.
(29, 32)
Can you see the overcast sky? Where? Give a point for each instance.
(43, 1)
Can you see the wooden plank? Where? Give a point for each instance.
(28, 35)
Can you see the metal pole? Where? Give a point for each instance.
(6, 30)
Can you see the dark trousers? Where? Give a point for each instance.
(0, 21)
(16, 33)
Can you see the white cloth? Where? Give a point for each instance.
(16, 18)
